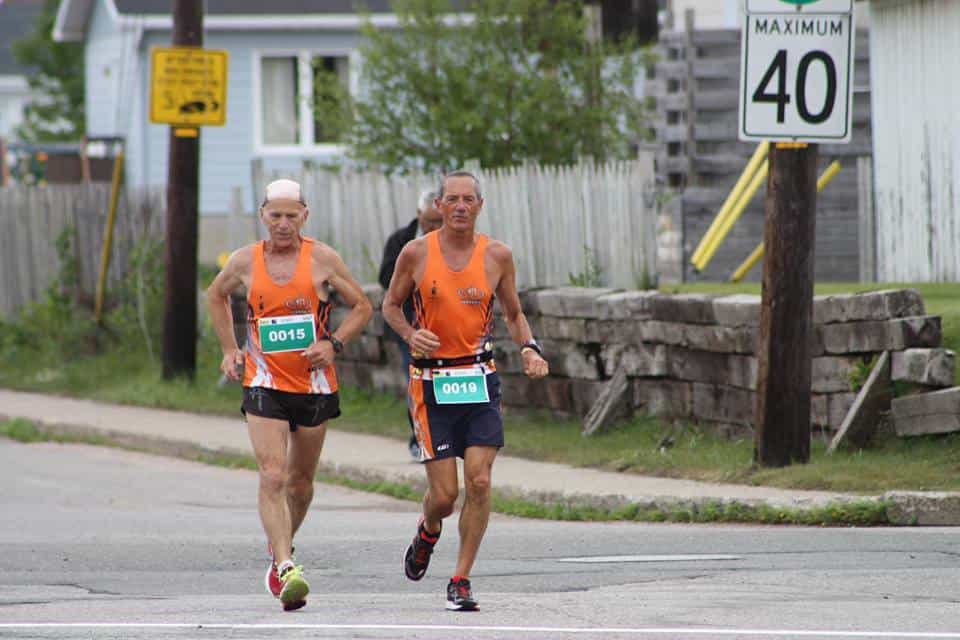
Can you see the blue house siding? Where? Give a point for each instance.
(226, 152)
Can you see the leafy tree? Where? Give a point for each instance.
(519, 82)
(57, 113)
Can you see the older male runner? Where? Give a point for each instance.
(454, 394)
(289, 380)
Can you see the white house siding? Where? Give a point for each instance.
(110, 70)
(14, 95)
(916, 138)
(708, 14)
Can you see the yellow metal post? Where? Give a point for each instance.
(733, 216)
(759, 155)
(751, 261)
(108, 235)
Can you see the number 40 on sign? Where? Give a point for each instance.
(796, 70)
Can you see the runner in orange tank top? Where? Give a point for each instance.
(454, 395)
(289, 381)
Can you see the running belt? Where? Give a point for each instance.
(432, 363)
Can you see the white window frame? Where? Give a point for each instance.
(305, 84)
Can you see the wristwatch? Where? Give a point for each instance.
(337, 345)
(533, 344)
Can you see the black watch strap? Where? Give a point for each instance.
(337, 345)
(533, 344)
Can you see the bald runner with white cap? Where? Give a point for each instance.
(286, 365)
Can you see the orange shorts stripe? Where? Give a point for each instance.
(421, 424)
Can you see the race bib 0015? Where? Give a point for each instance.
(286, 333)
(460, 386)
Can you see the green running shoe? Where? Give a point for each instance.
(293, 595)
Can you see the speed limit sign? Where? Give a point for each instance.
(796, 64)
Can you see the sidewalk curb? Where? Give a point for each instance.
(899, 508)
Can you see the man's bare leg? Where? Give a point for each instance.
(477, 467)
(441, 495)
(269, 440)
(306, 443)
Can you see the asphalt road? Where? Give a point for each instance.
(102, 543)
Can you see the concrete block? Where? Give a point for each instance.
(508, 358)
(668, 398)
(547, 393)
(924, 508)
(740, 310)
(931, 367)
(574, 329)
(695, 308)
(831, 374)
(647, 360)
(662, 332)
(376, 325)
(570, 360)
(374, 293)
(364, 348)
(871, 403)
(870, 305)
(584, 394)
(720, 403)
(879, 335)
(570, 302)
(827, 410)
(721, 339)
(713, 368)
(624, 305)
(926, 413)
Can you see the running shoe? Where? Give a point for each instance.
(459, 596)
(417, 558)
(293, 595)
(271, 581)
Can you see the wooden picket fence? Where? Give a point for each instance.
(32, 218)
(561, 222)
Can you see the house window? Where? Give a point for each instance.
(304, 101)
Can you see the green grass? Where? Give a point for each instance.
(126, 375)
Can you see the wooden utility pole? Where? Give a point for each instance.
(782, 432)
(180, 299)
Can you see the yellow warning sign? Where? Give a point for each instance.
(188, 86)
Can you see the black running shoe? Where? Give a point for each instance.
(460, 597)
(417, 558)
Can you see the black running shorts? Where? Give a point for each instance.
(446, 430)
(298, 409)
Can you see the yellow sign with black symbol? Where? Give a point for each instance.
(188, 86)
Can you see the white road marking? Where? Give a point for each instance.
(663, 558)
(639, 631)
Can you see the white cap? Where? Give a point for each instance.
(283, 189)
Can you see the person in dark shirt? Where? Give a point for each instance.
(428, 219)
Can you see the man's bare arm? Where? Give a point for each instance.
(533, 365)
(422, 342)
(352, 293)
(218, 301)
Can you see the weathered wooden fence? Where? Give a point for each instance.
(32, 218)
(559, 221)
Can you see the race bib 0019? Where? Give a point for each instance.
(286, 333)
(460, 386)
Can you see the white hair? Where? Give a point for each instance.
(427, 196)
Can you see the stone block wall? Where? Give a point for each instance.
(687, 356)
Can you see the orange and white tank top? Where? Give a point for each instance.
(455, 305)
(287, 370)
